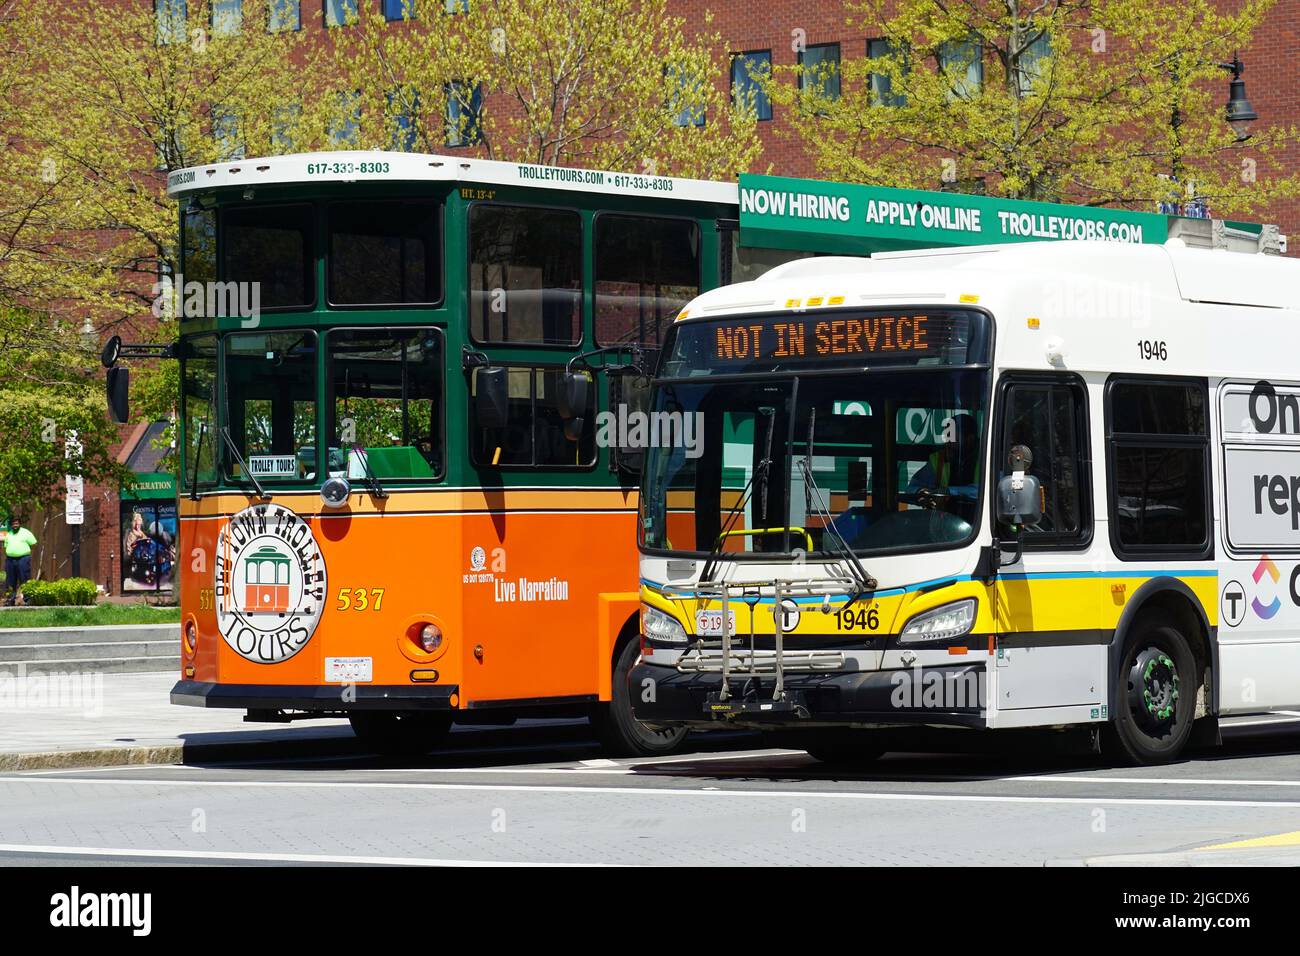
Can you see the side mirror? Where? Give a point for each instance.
(119, 394)
(634, 393)
(571, 400)
(491, 397)
(1023, 505)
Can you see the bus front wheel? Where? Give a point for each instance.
(400, 732)
(621, 734)
(1156, 700)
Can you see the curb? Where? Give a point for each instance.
(180, 753)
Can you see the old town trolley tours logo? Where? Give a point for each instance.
(270, 583)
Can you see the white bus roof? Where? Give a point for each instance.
(936, 275)
(378, 166)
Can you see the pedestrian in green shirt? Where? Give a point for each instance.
(18, 557)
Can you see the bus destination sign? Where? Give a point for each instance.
(916, 333)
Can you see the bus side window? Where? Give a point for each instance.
(646, 269)
(533, 435)
(1050, 419)
(525, 275)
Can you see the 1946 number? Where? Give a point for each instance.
(1152, 350)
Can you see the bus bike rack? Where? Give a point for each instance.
(752, 664)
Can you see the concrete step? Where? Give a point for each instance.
(89, 652)
(107, 634)
(129, 665)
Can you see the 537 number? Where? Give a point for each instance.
(360, 599)
(863, 619)
(1153, 351)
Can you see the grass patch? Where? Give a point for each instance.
(88, 616)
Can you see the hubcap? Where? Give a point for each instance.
(1153, 690)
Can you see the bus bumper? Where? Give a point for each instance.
(326, 697)
(876, 698)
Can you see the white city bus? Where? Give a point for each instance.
(1045, 485)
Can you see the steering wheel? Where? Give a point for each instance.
(927, 498)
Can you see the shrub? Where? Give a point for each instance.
(67, 591)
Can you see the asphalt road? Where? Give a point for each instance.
(542, 795)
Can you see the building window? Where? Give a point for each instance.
(1049, 416)
(284, 15)
(882, 91)
(339, 13)
(686, 97)
(225, 132)
(456, 6)
(399, 9)
(819, 71)
(345, 129)
(534, 431)
(749, 71)
(525, 274)
(961, 62)
(284, 126)
(171, 20)
(646, 270)
(464, 114)
(1159, 451)
(227, 17)
(385, 252)
(403, 109)
(1030, 66)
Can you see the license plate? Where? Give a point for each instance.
(709, 623)
(349, 670)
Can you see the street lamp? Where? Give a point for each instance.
(1239, 113)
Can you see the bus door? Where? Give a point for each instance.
(1050, 607)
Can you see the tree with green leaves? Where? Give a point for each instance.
(1104, 102)
(608, 84)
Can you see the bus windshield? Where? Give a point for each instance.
(890, 459)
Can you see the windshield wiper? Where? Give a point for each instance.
(757, 479)
(813, 502)
(370, 481)
(243, 465)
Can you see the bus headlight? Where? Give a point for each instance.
(942, 623)
(335, 492)
(661, 628)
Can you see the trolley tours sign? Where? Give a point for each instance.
(270, 583)
(849, 218)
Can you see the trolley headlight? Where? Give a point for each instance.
(430, 638)
(661, 628)
(335, 492)
(942, 623)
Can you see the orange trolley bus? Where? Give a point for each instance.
(388, 511)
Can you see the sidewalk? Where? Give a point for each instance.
(105, 719)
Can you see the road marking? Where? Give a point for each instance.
(1160, 781)
(1260, 723)
(901, 796)
(266, 857)
(1279, 839)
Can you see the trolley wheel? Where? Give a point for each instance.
(1156, 700)
(842, 748)
(400, 732)
(621, 734)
